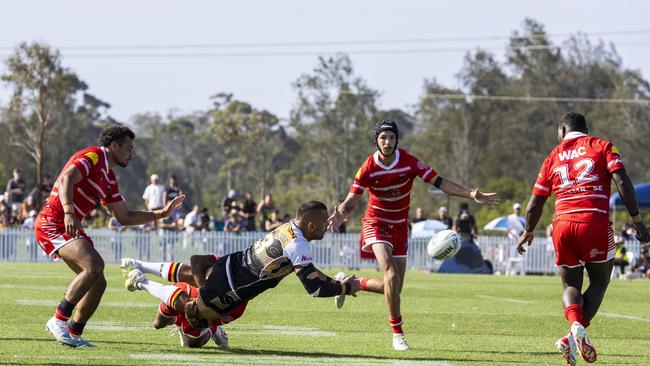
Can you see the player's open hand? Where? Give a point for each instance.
(72, 225)
(354, 283)
(335, 220)
(174, 205)
(525, 238)
(485, 198)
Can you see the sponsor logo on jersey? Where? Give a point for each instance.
(595, 252)
(92, 156)
(570, 154)
(615, 150)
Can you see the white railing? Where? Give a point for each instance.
(334, 251)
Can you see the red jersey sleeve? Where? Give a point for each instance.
(360, 183)
(543, 184)
(113, 195)
(86, 162)
(424, 171)
(613, 158)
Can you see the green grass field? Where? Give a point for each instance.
(449, 320)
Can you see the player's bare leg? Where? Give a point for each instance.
(573, 300)
(86, 289)
(392, 288)
(599, 276)
(170, 271)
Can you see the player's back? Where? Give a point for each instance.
(578, 171)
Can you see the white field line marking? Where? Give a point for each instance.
(108, 304)
(508, 299)
(613, 315)
(186, 359)
(46, 288)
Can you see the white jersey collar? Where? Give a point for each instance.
(381, 165)
(573, 135)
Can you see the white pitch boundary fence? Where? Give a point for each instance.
(334, 251)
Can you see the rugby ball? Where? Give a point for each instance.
(443, 245)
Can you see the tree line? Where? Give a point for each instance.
(495, 143)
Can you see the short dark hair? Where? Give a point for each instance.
(308, 207)
(115, 133)
(574, 121)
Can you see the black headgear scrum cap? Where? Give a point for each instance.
(386, 125)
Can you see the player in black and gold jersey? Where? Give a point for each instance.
(241, 276)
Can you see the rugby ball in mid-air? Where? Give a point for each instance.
(443, 245)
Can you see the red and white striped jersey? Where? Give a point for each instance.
(579, 172)
(390, 186)
(98, 183)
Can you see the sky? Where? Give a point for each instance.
(257, 49)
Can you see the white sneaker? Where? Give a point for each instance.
(127, 265)
(399, 342)
(82, 342)
(339, 300)
(59, 329)
(567, 346)
(220, 337)
(584, 346)
(133, 280)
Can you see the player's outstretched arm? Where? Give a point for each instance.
(533, 214)
(455, 189)
(318, 284)
(628, 196)
(127, 217)
(343, 211)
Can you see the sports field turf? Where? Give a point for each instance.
(449, 320)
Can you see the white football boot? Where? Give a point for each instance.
(339, 300)
(59, 329)
(220, 337)
(399, 342)
(567, 346)
(127, 265)
(82, 342)
(586, 349)
(134, 279)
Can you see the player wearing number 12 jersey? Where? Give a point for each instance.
(579, 172)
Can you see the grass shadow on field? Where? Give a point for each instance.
(326, 355)
(50, 340)
(58, 363)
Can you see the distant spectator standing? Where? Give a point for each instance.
(226, 203)
(26, 207)
(465, 223)
(516, 222)
(154, 194)
(443, 216)
(172, 190)
(419, 216)
(192, 220)
(274, 222)
(265, 209)
(46, 188)
(16, 188)
(249, 210)
(233, 223)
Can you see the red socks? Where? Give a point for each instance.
(396, 324)
(574, 313)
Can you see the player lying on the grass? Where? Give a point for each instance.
(388, 176)
(234, 279)
(579, 171)
(86, 179)
(180, 274)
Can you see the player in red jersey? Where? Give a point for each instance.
(388, 176)
(181, 275)
(579, 172)
(86, 179)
